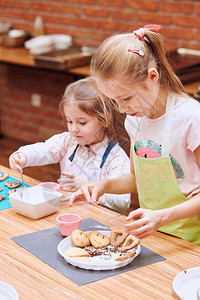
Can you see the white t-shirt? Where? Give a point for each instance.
(147, 135)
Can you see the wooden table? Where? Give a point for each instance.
(33, 279)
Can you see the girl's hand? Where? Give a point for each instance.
(90, 192)
(71, 182)
(145, 224)
(17, 161)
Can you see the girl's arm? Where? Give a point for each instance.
(150, 220)
(92, 192)
(123, 184)
(44, 153)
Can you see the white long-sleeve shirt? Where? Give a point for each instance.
(60, 146)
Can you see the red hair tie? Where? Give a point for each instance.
(138, 52)
(140, 32)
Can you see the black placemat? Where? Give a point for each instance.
(43, 244)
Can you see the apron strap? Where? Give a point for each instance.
(111, 144)
(167, 125)
(73, 154)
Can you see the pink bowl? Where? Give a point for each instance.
(68, 222)
(50, 185)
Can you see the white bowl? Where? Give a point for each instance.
(36, 202)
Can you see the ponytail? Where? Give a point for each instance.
(127, 57)
(167, 77)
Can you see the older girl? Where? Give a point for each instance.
(163, 124)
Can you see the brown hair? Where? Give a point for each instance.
(83, 94)
(113, 61)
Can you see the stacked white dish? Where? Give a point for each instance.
(47, 43)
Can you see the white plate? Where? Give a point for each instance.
(7, 292)
(97, 262)
(186, 284)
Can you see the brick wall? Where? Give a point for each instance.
(89, 22)
(21, 120)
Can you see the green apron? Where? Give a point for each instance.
(158, 188)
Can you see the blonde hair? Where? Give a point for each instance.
(113, 61)
(83, 94)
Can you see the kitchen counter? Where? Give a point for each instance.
(21, 56)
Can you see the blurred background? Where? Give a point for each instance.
(30, 88)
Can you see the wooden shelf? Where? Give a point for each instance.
(21, 56)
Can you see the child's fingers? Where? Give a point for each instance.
(141, 232)
(73, 197)
(68, 188)
(138, 213)
(68, 174)
(135, 225)
(95, 194)
(87, 194)
(15, 165)
(66, 181)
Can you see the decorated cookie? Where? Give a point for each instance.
(12, 184)
(12, 191)
(80, 238)
(2, 197)
(98, 240)
(130, 242)
(3, 176)
(117, 237)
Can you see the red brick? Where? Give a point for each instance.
(156, 18)
(124, 14)
(38, 5)
(82, 22)
(191, 45)
(24, 26)
(58, 19)
(197, 8)
(143, 4)
(174, 6)
(15, 14)
(109, 3)
(95, 12)
(198, 35)
(12, 14)
(69, 9)
(18, 4)
(3, 3)
(112, 25)
(82, 1)
(53, 29)
(188, 21)
(170, 44)
(178, 33)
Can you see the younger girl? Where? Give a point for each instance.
(163, 123)
(88, 152)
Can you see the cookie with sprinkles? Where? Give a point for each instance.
(12, 184)
(12, 191)
(2, 197)
(3, 176)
